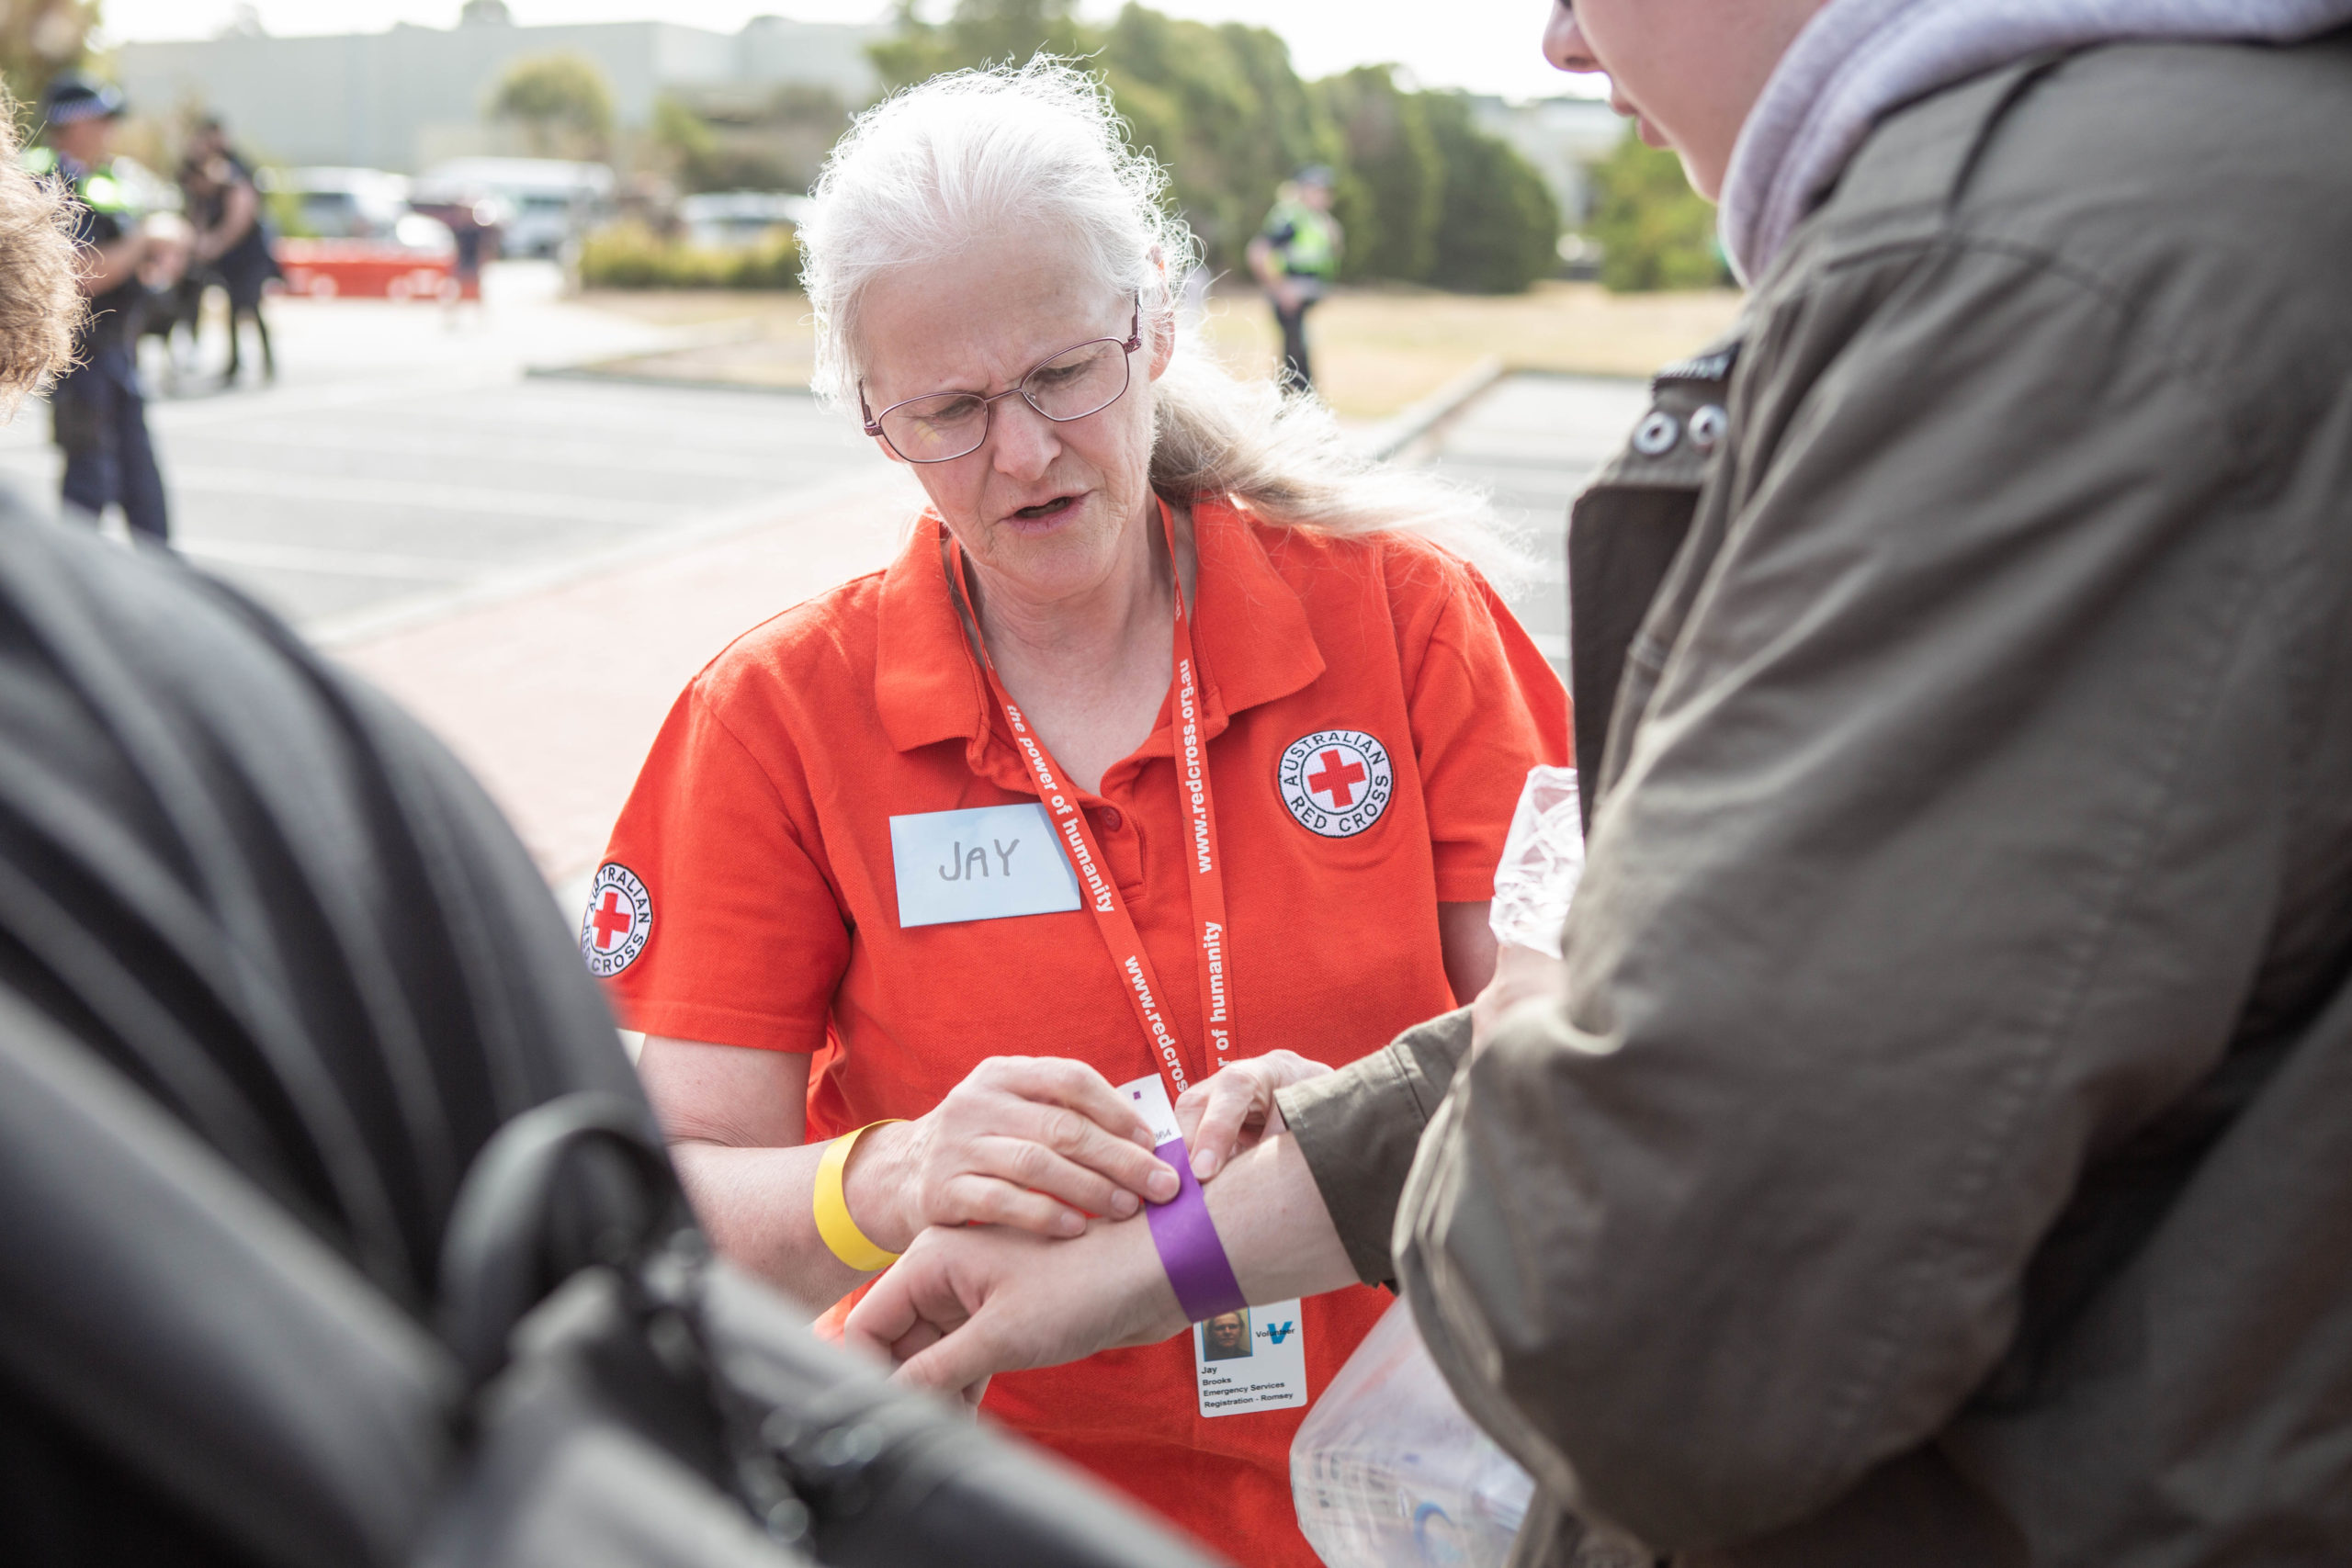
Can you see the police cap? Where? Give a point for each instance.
(73, 96)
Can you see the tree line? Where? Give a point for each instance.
(1424, 194)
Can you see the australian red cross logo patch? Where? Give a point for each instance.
(618, 919)
(1336, 782)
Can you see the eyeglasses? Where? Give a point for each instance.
(1082, 380)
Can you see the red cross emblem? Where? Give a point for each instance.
(1336, 782)
(609, 920)
(616, 922)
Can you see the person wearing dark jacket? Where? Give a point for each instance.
(233, 239)
(1940, 1149)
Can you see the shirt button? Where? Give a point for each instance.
(1112, 820)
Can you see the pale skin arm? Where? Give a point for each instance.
(1022, 1142)
(238, 214)
(1468, 945)
(737, 1121)
(965, 1304)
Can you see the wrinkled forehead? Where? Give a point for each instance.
(977, 320)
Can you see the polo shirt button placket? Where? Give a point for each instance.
(1121, 834)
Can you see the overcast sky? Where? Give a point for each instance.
(1487, 46)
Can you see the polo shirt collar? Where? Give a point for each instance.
(927, 686)
(1249, 631)
(1248, 627)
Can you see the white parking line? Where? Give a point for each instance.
(335, 563)
(415, 494)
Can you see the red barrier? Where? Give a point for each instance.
(365, 269)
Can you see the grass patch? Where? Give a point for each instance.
(1376, 350)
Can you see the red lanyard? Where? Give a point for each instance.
(1190, 752)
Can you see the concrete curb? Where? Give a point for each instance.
(1391, 437)
(645, 379)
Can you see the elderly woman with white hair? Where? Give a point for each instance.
(1169, 739)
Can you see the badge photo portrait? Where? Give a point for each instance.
(1226, 1337)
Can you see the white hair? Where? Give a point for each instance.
(1040, 149)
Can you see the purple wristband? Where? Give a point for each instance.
(1189, 1246)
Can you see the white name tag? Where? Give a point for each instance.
(1252, 1360)
(983, 864)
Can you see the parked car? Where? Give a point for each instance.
(549, 203)
(732, 219)
(336, 203)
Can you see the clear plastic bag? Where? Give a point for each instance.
(1542, 859)
(1388, 1472)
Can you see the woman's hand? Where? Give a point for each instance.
(1521, 975)
(1030, 1142)
(1234, 1107)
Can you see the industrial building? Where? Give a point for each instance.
(414, 97)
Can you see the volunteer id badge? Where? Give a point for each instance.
(986, 863)
(1252, 1360)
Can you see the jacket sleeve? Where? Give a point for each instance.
(1941, 857)
(1357, 1129)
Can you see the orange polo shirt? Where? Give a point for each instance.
(750, 897)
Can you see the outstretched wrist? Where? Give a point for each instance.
(1147, 1310)
(878, 1185)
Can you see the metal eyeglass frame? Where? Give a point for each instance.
(987, 404)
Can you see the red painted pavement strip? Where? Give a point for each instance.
(552, 698)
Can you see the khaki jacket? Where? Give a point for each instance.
(1945, 1154)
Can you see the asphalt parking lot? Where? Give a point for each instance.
(403, 461)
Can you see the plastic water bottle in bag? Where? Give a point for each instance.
(1388, 1472)
(1541, 863)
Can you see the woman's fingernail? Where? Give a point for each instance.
(1203, 1165)
(1070, 1223)
(1164, 1183)
(1142, 1136)
(1124, 1203)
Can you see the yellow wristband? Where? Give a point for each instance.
(841, 1233)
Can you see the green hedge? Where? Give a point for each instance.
(1498, 229)
(631, 255)
(1654, 230)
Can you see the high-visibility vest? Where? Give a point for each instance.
(96, 190)
(1313, 250)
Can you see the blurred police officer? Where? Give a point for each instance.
(101, 417)
(1295, 256)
